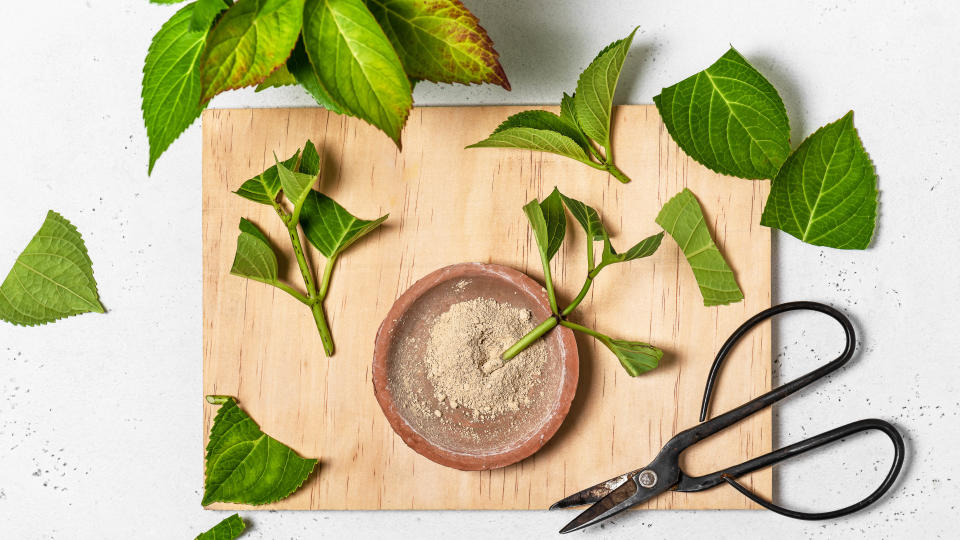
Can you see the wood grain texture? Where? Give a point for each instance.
(450, 205)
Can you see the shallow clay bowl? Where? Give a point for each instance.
(456, 439)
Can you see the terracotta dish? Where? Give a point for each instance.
(458, 440)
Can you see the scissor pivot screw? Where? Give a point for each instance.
(647, 478)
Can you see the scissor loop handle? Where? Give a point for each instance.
(804, 446)
(785, 390)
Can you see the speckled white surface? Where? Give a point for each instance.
(100, 431)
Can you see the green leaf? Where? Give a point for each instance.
(171, 82)
(568, 113)
(310, 162)
(228, 529)
(645, 248)
(826, 192)
(544, 120)
(245, 465)
(355, 63)
(302, 69)
(204, 13)
(251, 39)
(636, 357)
(593, 99)
(329, 227)
(264, 187)
(534, 139)
(439, 41)
(682, 218)
(588, 218)
(280, 77)
(51, 279)
(729, 118)
(255, 258)
(296, 186)
(549, 224)
(165, 1)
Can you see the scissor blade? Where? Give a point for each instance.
(593, 493)
(613, 503)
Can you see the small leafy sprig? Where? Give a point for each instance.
(245, 465)
(548, 221)
(327, 226)
(354, 57)
(584, 121)
(731, 119)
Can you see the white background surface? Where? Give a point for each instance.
(100, 433)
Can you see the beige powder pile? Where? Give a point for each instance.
(463, 358)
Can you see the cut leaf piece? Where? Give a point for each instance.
(439, 41)
(255, 258)
(51, 279)
(355, 63)
(729, 118)
(296, 186)
(228, 529)
(251, 39)
(826, 192)
(644, 248)
(329, 227)
(636, 357)
(244, 465)
(534, 139)
(280, 77)
(171, 82)
(593, 99)
(204, 13)
(264, 187)
(682, 218)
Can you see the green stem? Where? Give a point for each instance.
(548, 281)
(290, 290)
(325, 280)
(585, 330)
(320, 317)
(615, 172)
(580, 296)
(528, 339)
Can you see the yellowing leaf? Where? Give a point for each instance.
(355, 63)
(51, 279)
(252, 39)
(439, 41)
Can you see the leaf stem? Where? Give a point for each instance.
(585, 330)
(325, 280)
(616, 172)
(320, 317)
(580, 296)
(548, 282)
(528, 339)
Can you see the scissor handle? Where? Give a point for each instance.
(728, 475)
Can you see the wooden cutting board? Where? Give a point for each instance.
(450, 205)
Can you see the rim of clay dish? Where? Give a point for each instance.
(458, 460)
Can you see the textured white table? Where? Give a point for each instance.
(100, 415)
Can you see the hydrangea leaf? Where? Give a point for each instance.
(245, 465)
(310, 161)
(170, 95)
(587, 217)
(826, 192)
(549, 224)
(51, 279)
(545, 120)
(251, 40)
(644, 248)
(264, 187)
(330, 227)
(302, 70)
(205, 12)
(682, 218)
(228, 529)
(280, 77)
(255, 258)
(296, 186)
(568, 114)
(593, 99)
(636, 357)
(528, 138)
(439, 41)
(729, 118)
(355, 63)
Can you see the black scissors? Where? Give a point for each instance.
(663, 474)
